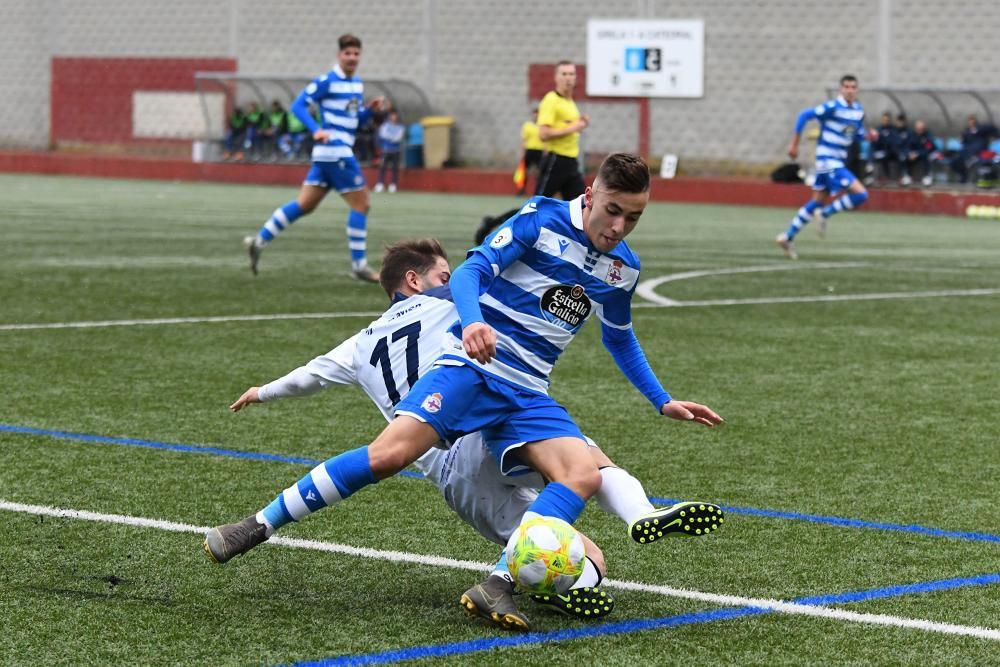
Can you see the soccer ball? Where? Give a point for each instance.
(545, 555)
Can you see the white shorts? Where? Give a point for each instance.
(471, 482)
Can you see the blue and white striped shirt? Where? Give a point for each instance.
(548, 281)
(340, 99)
(841, 124)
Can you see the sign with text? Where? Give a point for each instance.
(645, 58)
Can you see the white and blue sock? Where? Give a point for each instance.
(801, 218)
(501, 569)
(845, 203)
(279, 220)
(326, 484)
(357, 238)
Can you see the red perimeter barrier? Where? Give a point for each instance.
(91, 99)
(743, 192)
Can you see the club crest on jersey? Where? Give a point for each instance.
(614, 272)
(566, 306)
(352, 107)
(432, 403)
(502, 238)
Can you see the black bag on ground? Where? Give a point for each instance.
(787, 173)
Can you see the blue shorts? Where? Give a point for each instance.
(458, 400)
(343, 175)
(834, 181)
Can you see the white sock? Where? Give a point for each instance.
(622, 494)
(591, 576)
(269, 530)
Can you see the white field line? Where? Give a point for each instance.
(187, 320)
(779, 606)
(664, 302)
(647, 288)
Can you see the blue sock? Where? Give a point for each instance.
(501, 569)
(801, 218)
(557, 500)
(357, 238)
(280, 219)
(846, 202)
(326, 484)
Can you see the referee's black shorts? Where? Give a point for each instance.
(561, 174)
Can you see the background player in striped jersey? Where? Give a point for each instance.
(841, 124)
(381, 359)
(340, 96)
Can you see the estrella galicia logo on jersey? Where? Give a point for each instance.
(502, 238)
(432, 403)
(614, 272)
(566, 306)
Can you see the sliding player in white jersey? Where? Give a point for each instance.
(385, 359)
(841, 124)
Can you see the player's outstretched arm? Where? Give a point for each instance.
(251, 395)
(689, 411)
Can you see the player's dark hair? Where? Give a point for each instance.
(848, 77)
(419, 255)
(623, 172)
(565, 62)
(349, 40)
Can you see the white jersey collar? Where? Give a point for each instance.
(576, 212)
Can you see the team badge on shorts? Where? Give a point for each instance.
(566, 306)
(432, 403)
(614, 272)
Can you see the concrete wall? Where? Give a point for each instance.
(765, 60)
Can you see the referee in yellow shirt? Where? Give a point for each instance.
(559, 126)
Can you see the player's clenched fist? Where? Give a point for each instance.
(480, 342)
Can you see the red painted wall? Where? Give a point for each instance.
(91, 99)
(741, 192)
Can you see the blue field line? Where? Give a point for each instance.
(753, 511)
(850, 523)
(151, 444)
(629, 627)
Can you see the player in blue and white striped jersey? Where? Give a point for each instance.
(521, 423)
(384, 359)
(841, 124)
(339, 94)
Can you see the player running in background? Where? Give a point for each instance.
(340, 96)
(522, 299)
(841, 124)
(379, 360)
(559, 126)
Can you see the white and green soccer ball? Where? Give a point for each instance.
(545, 555)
